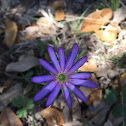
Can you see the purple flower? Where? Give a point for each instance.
(63, 76)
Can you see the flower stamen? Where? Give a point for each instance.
(62, 77)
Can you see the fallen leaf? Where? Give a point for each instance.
(23, 65)
(89, 66)
(9, 118)
(95, 20)
(57, 4)
(109, 34)
(53, 116)
(10, 33)
(59, 15)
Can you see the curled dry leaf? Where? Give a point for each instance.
(95, 20)
(9, 118)
(10, 33)
(57, 3)
(53, 116)
(109, 34)
(59, 15)
(89, 66)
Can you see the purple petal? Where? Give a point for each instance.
(77, 65)
(61, 58)
(44, 91)
(67, 96)
(71, 57)
(47, 66)
(85, 83)
(54, 58)
(80, 76)
(41, 79)
(53, 95)
(77, 92)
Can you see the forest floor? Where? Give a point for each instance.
(27, 28)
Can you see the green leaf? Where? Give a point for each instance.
(29, 104)
(18, 101)
(21, 113)
(110, 96)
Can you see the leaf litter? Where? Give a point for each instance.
(35, 25)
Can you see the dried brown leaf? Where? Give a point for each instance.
(89, 66)
(59, 15)
(9, 118)
(108, 35)
(10, 33)
(53, 116)
(95, 20)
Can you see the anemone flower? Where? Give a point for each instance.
(63, 76)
